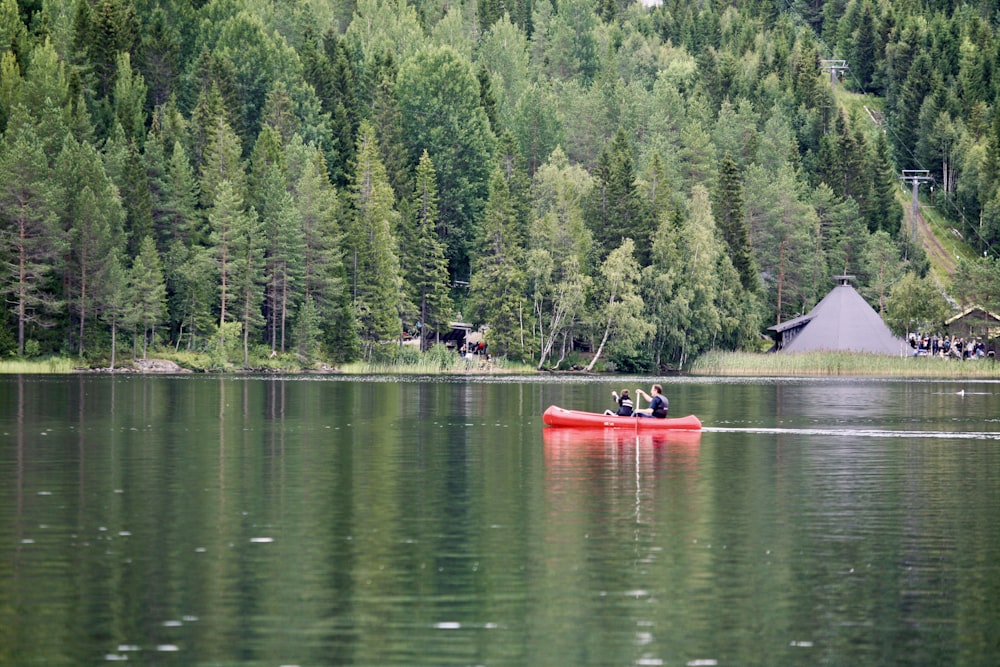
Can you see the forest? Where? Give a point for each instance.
(586, 181)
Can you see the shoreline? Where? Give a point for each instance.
(714, 364)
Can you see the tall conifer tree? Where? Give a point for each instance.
(374, 263)
(496, 291)
(148, 292)
(616, 209)
(730, 216)
(426, 267)
(31, 240)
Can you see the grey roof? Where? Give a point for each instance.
(802, 320)
(843, 320)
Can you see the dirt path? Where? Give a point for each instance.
(937, 253)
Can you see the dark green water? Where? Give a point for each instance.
(330, 521)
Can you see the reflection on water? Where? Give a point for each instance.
(327, 521)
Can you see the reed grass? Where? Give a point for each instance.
(434, 367)
(37, 366)
(841, 364)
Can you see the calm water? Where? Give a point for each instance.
(329, 521)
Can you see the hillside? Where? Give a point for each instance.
(246, 179)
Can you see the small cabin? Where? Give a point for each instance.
(974, 322)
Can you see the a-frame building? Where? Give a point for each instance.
(843, 320)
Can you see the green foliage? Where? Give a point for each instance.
(441, 356)
(631, 361)
(31, 240)
(376, 282)
(731, 217)
(31, 349)
(916, 304)
(439, 100)
(271, 167)
(226, 345)
(425, 266)
(307, 331)
(496, 291)
(148, 292)
(619, 312)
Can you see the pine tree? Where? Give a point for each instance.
(282, 228)
(92, 245)
(92, 217)
(248, 273)
(31, 240)
(226, 220)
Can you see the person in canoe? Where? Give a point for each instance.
(659, 406)
(624, 404)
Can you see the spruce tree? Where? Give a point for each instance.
(616, 209)
(114, 301)
(324, 277)
(376, 283)
(498, 277)
(730, 217)
(885, 212)
(226, 221)
(137, 199)
(425, 265)
(148, 292)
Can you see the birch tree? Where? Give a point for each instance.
(620, 309)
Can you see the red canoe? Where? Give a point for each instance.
(556, 416)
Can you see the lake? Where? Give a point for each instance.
(328, 520)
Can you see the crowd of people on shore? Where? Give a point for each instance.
(948, 347)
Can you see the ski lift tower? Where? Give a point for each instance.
(915, 177)
(835, 67)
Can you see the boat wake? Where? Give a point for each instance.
(857, 433)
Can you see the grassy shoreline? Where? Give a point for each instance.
(713, 364)
(168, 361)
(841, 364)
